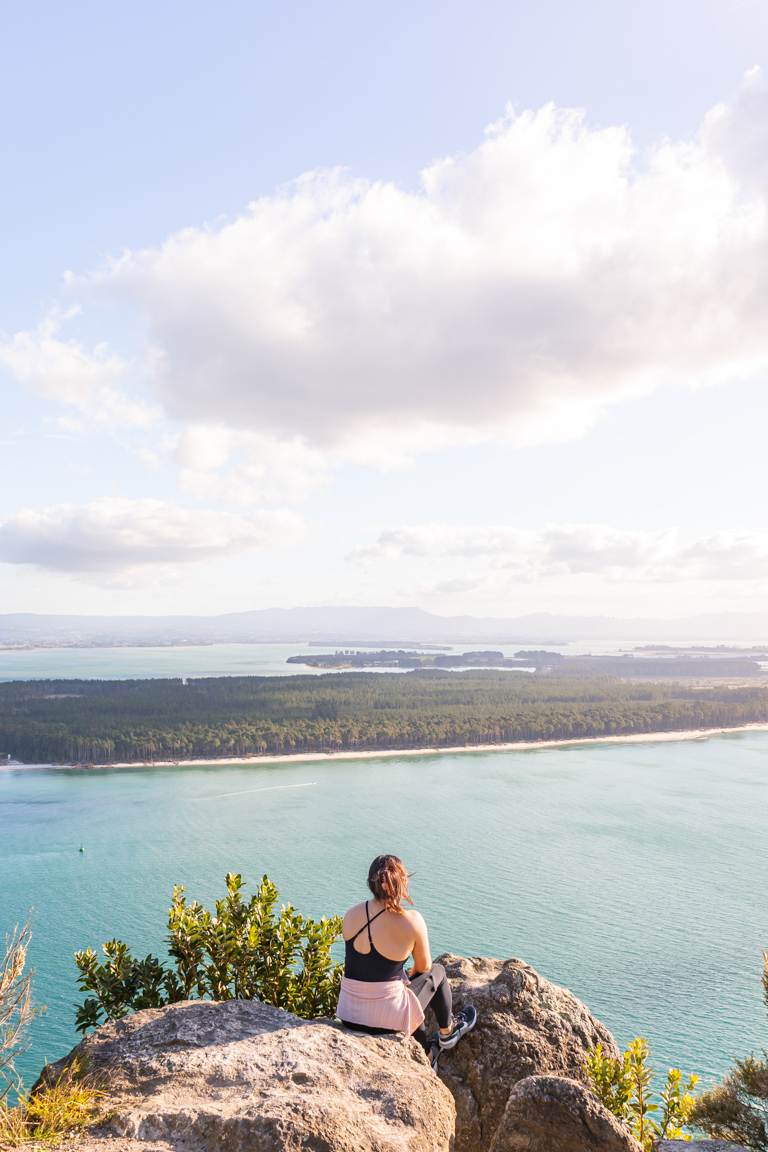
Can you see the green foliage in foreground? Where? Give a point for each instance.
(246, 950)
(102, 721)
(737, 1109)
(16, 1009)
(625, 1087)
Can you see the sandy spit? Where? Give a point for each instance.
(388, 753)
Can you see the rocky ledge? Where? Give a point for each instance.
(698, 1146)
(245, 1077)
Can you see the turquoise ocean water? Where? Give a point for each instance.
(637, 875)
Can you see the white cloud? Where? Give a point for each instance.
(739, 131)
(89, 380)
(563, 550)
(118, 535)
(523, 287)
(245, 468)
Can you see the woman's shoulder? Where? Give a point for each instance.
(355, 912)
(415, 917)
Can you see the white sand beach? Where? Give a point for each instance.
(388, 753)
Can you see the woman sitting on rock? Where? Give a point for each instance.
(377, 995)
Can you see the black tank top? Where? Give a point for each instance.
(370, 966)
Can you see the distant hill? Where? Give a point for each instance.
(382, 625)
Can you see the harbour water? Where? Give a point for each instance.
(125, 663)
(185, 661)
(635, 874)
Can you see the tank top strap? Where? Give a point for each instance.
(370, 966)
(368, 921)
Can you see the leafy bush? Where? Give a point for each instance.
(66, 1105)
(16, 1009)
(737, 1109)
(245, 950)
(625, 1087)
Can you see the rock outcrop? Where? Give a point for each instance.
(698, 1146)
(545, 1113)
(245, 1077)
(526, 1027)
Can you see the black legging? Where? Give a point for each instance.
(433, 988)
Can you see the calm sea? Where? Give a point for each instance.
(634, 874)
(125, 663)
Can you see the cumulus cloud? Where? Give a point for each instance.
(738, 131)
(115, 535)
(219, 463)
(581, 549)
(524, 286)
(89, 380)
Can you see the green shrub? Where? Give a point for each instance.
(624, 1085)
(737, 1109)
(245, 949)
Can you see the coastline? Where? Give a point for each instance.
(389, 753)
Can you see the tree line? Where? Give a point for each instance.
(100, 721)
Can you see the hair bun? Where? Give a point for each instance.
(388, 881)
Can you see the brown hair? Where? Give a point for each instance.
(388, 880)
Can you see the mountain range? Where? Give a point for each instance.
(383, 624)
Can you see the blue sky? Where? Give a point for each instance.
(531, 379)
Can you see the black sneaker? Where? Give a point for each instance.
(463, 1022)
(433, 1055)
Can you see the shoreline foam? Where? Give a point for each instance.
(389, 753)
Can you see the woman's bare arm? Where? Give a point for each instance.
(422, 958)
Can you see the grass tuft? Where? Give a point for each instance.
(55, 1111)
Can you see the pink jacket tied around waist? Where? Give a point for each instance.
(390, 1004)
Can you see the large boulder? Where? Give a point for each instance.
(548, 1113)
(526, 1027)
(240, 1075)
(245, 1077)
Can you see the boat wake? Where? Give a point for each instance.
(250, 791)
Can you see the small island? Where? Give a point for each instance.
(704, 664)
(351, 644)
(404, 658)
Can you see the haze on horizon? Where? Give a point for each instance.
(437, 307)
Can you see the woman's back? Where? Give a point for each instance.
(377, 941)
